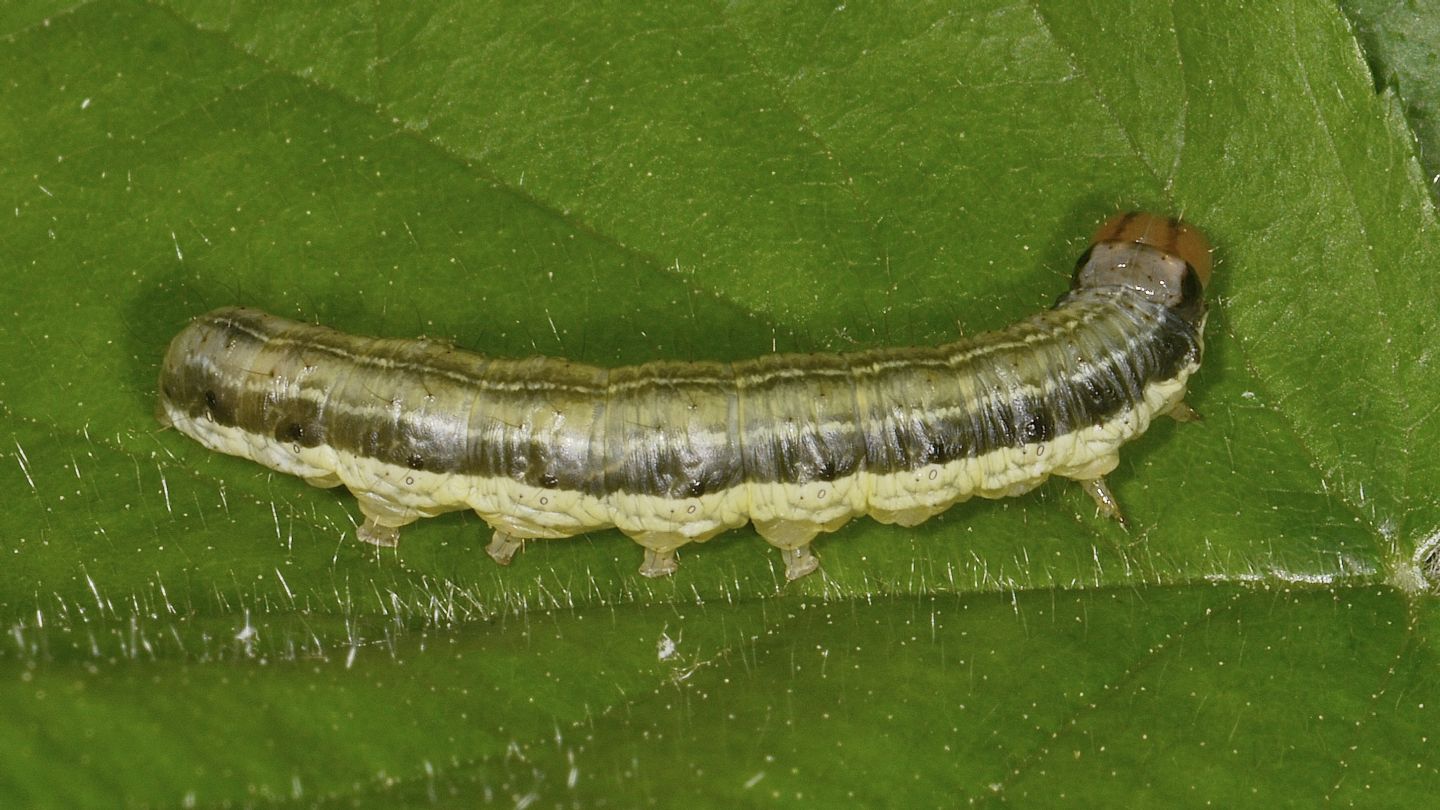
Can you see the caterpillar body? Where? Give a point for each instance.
(672, 452)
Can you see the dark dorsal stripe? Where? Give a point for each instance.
(682, 430)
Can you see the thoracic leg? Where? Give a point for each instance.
(503, 546)
(1104, 499)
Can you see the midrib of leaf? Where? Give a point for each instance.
(1047, 746)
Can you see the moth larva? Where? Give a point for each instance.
(674, 453)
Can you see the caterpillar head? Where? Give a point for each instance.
(1162, 258)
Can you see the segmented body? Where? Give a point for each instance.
(673, 453)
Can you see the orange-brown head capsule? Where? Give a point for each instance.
(1160, 258)
(1163, 233)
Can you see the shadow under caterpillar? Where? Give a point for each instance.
(674, 452)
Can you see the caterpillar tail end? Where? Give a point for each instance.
(1104, 500)
(503, 547)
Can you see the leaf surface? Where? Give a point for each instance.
(617, 184)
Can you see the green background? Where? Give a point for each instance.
(619, 184)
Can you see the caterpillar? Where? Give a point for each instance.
(672, 453)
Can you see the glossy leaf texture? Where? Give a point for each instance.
(618, 183)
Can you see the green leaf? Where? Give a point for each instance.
(617, 183)
(1401, 42)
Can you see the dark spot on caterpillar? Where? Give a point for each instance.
(1036, 423)
(696, 489)
(302, 430)
(416, 462)
(1172, 349)
(943, 450)
(1099, 394)
(1037, 428)
(549, 481)
(217, 409)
